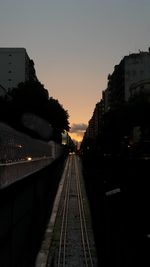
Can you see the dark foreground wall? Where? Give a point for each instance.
(119, 195)
(25, 207)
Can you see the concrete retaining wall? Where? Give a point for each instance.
(24, 210)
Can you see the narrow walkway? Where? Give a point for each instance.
(72, 242)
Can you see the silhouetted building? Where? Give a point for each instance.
(15, 67)
(129, 78)
(95, 123)
(140, 87)
(132, 69)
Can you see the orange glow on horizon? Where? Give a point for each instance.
(77, 136)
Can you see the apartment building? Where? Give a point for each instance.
(95, 123)
(133, 69)
(15, 67)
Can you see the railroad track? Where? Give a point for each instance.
(74, 243)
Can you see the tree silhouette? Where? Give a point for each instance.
(31, 96)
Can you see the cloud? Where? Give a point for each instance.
(77, 131)
(78, 128)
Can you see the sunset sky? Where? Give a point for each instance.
(75, 44)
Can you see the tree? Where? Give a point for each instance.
(31, 96)
(57, 114)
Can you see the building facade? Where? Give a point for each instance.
(132, 69)
(95, 123)
(15, 67)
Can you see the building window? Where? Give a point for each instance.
(10, 55)
(9, 80)
(9, 71)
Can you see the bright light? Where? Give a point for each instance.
(64, 138)
(77, 136)
(19, 146)
(29, 158)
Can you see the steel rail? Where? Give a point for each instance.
(63, 233)
(84, 232)
(61, 262)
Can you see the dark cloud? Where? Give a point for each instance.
(77, 128)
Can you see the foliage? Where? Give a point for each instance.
(31, 96)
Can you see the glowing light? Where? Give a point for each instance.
(64, 138)
(76, 136)
(29, 158)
